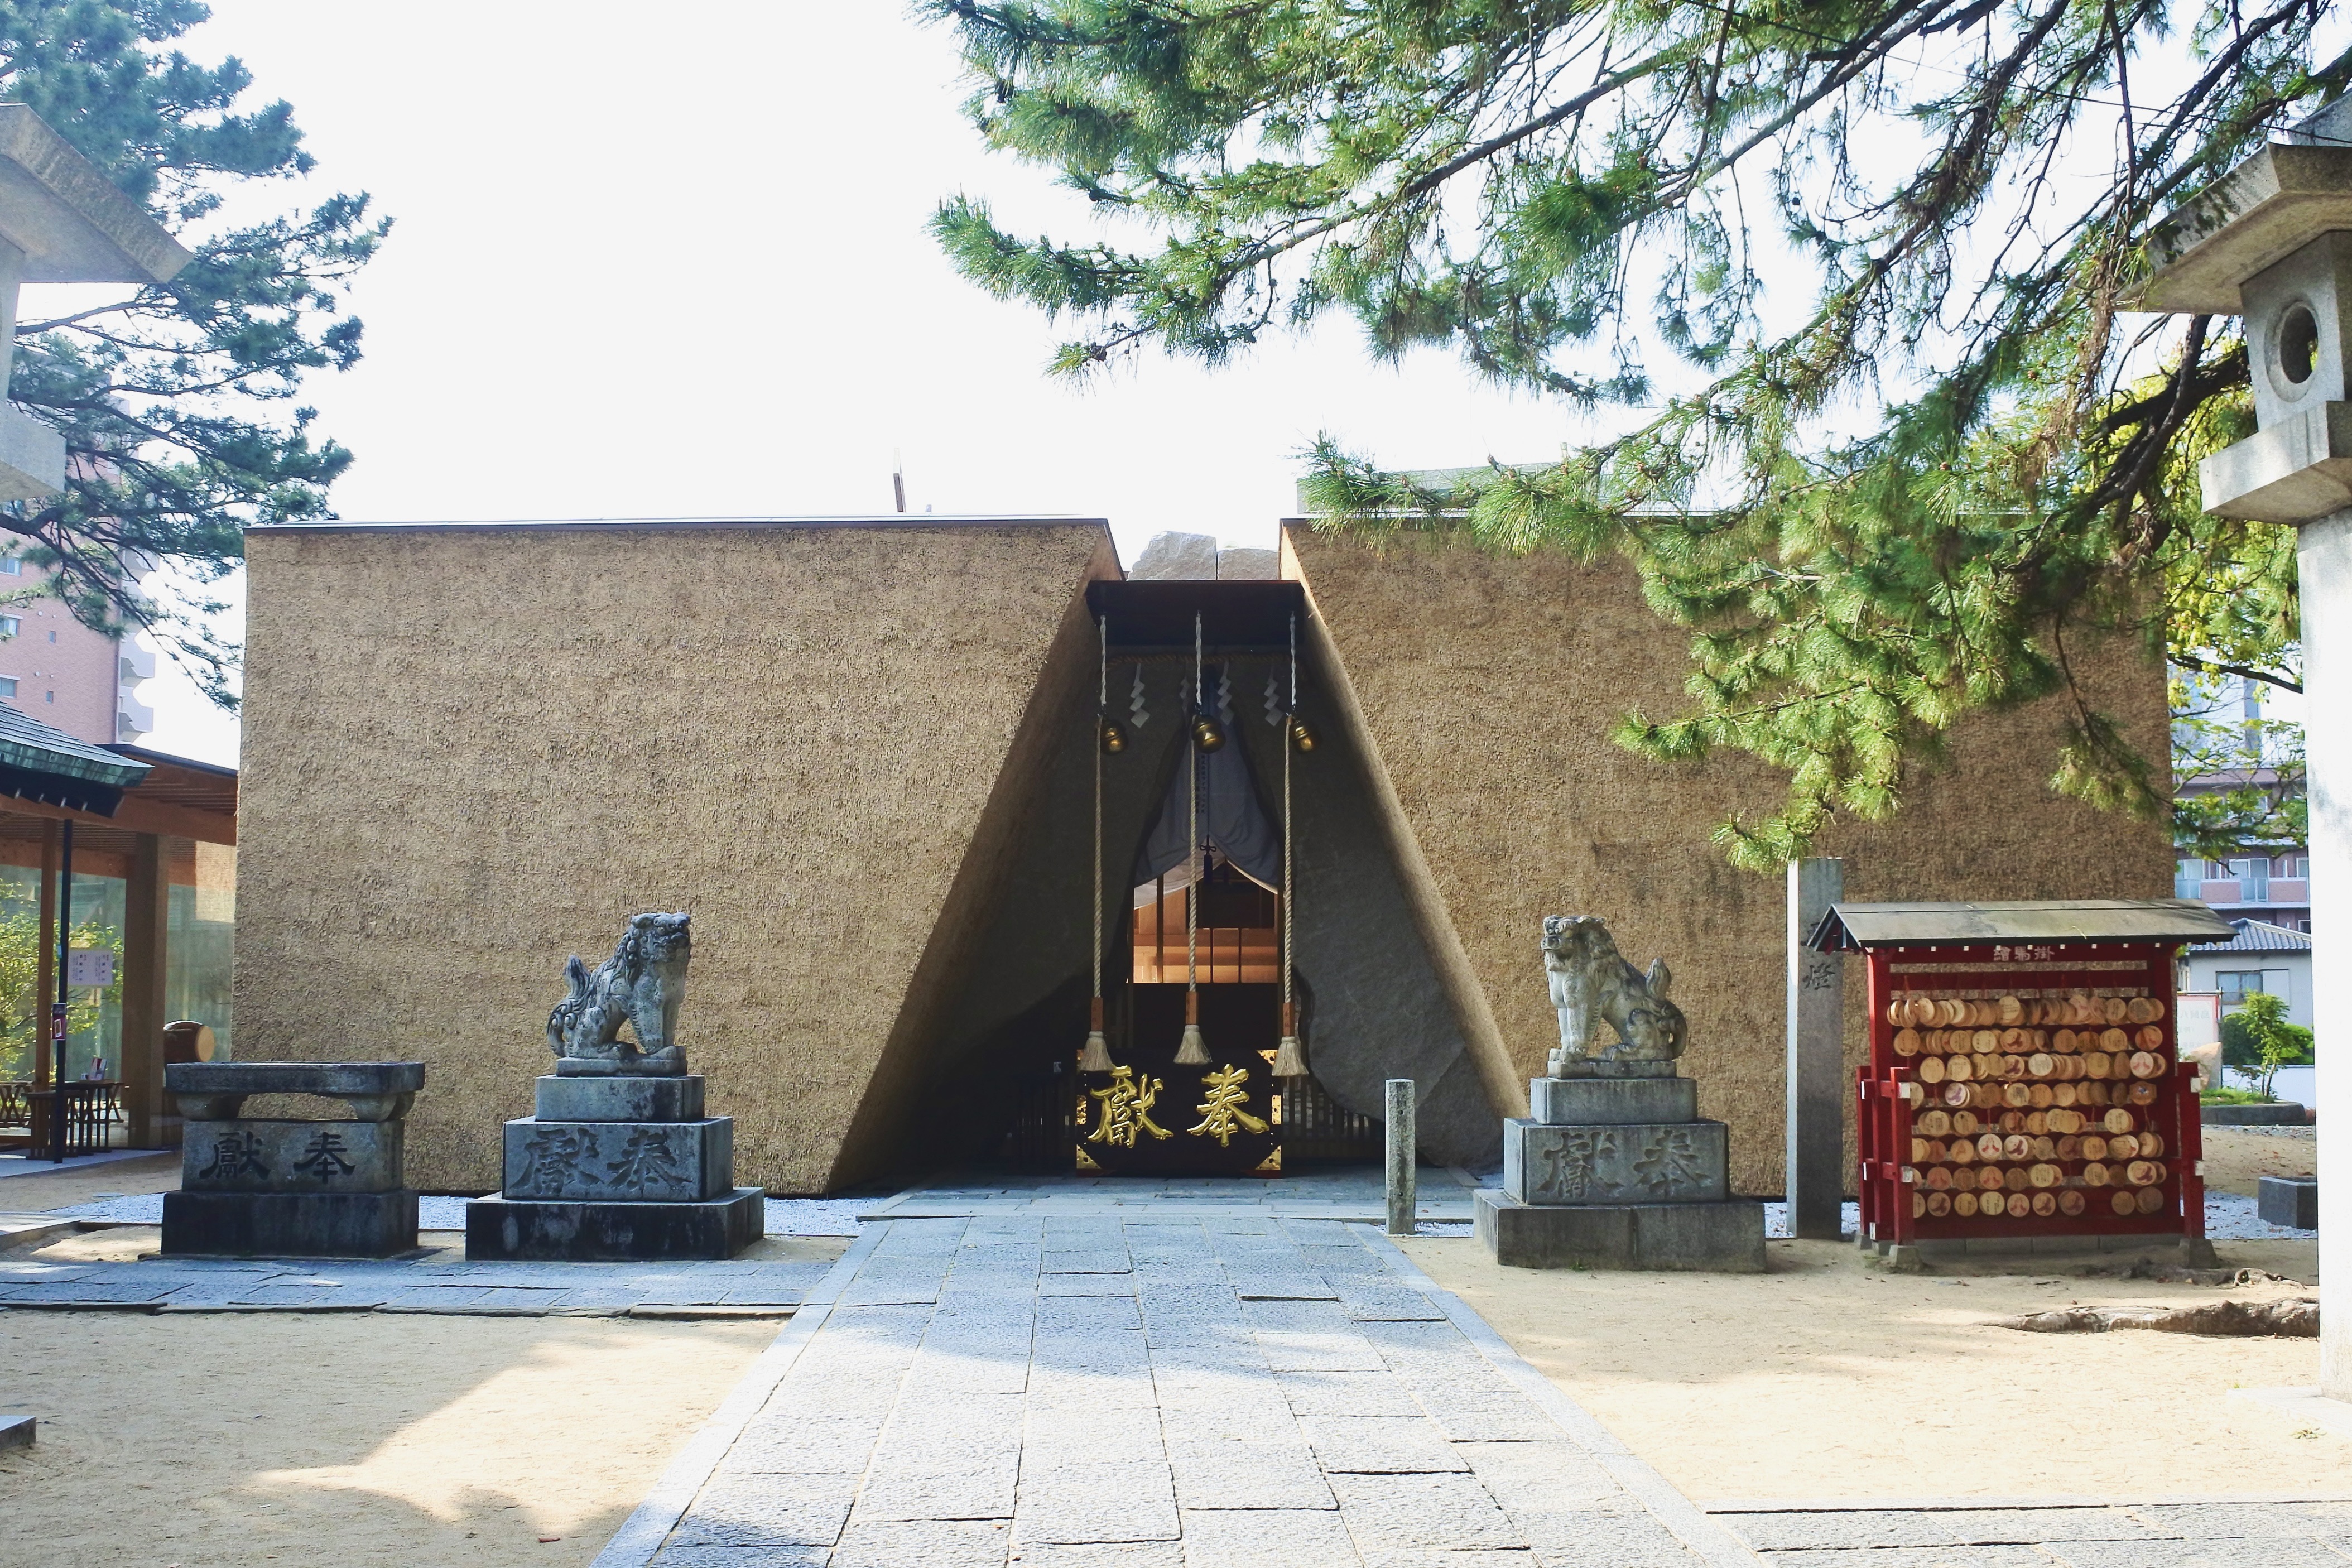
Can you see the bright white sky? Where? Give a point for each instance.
(671, 263)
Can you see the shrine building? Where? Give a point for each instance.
(870, 756)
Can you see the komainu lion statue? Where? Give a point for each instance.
(640, 986)
(1590, 981)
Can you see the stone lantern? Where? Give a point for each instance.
(61, 221)
(2272, 241)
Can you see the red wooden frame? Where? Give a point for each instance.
(1890, 1093)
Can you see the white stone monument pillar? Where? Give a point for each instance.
(2272, 241)
(2323, 561)
(1818, 1092)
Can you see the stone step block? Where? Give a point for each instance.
(1724, 1237)
(562, 1098)
(575, 1232)
(290, 1224)
(1598, 1101)
(620, 1162)
(1642, 1162)
(256, 1156)
(2291, 1201)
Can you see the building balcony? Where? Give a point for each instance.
(2240, 892)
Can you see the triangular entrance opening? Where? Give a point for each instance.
(990, 1079)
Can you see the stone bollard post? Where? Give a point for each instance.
(1818, 1091)
(1403, 1197)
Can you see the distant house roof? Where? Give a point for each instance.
(2260, 936)
(1851, 928)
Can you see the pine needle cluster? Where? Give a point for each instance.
(1922, 493)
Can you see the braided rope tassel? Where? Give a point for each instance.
(1096, 1058)
(1290, 1055)
(1193, 1052)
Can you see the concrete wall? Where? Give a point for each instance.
(1484, 690)
(471, 753)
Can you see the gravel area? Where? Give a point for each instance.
(2229, 1217)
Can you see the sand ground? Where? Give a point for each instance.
(2235, 1159)
(1832, 1378)
(217, 1439)
(222, 1439)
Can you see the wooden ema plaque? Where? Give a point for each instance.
(2023, 1090)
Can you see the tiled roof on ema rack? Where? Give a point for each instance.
(1852, 928)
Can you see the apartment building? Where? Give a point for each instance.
(61, 672)
(2236, 740)
(2272, 888)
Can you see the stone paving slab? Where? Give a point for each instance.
(1948, 1533)
(103, 1291)
(424, 1284)
(991, 1389)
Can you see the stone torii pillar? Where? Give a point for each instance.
(2272, 241)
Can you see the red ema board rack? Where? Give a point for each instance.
(2024, 1080)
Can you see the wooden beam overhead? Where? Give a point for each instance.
(134, 815)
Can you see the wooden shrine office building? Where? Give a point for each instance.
(133, 850)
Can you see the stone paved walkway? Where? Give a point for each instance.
(2081, 1534)
(1209, 1390)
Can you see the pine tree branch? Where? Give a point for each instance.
(2222, 667)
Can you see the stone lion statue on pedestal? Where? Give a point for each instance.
(640, 986)
(1591, 980)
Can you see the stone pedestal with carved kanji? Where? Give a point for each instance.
(618, 1168)
(1615, 1169)
(272, 1188)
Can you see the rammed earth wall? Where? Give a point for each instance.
(862, 756)
(470, 752)
(1485, 689)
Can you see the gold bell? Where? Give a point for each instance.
(1113, 737)
(1301, 736)
(1207, 734)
